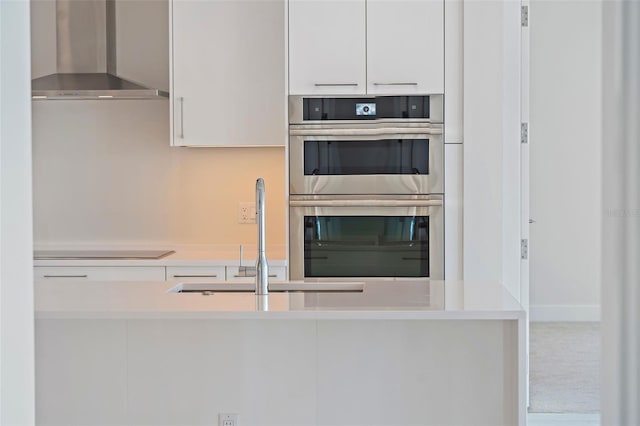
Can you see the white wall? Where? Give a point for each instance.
(43, 37)
(17, 405)
(142, 34)
(565, 152)
(104, 172)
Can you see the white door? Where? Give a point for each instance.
(228, 84)
(327, 47)
(405, 46)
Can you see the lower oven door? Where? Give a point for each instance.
(365, 238)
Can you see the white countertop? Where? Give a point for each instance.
(185, 255)
(388, 299)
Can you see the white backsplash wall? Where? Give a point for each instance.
(103, 171)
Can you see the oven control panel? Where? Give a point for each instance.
(364, 108)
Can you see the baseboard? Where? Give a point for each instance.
(547, 313)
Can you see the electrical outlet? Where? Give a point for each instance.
(247, 213)
(228, 419)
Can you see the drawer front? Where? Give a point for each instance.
(100, 273)
(275, 273)
(195, 273)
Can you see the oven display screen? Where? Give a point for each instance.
(366, 109)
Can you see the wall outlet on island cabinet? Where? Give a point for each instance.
(228, 419)
(247, 213)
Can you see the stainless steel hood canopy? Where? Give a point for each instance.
(86, 56)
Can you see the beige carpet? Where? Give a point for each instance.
(564, 367)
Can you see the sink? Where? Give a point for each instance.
(274, 287)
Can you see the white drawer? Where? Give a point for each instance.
(275, 273)
(100, 273)
(195, 273)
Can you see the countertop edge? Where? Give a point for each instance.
(292, 315)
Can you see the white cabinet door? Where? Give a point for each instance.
(100, 273)
(327, 48)
(195, 273)
(405, 46)
(228, 73)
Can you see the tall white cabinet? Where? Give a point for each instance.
(366, 47)
(228, 73)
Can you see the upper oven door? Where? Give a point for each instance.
(369, 159)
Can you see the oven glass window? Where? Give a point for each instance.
(377, 157)
(366, 246)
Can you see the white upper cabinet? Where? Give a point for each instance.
(327, 47)
(228, 73)
(405, 46)
(366, 47)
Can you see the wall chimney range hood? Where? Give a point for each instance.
(86, 56)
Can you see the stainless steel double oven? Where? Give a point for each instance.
(366, 187)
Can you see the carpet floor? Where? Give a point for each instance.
(564, 361)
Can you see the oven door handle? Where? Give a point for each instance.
(368, 132)
(365, 203)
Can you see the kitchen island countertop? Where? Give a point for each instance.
(388, 299)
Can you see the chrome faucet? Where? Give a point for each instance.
(262, 268)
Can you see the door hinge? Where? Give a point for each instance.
(524, 249)
(524, 16)
(524, 132)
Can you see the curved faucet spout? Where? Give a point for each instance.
(262, 268)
